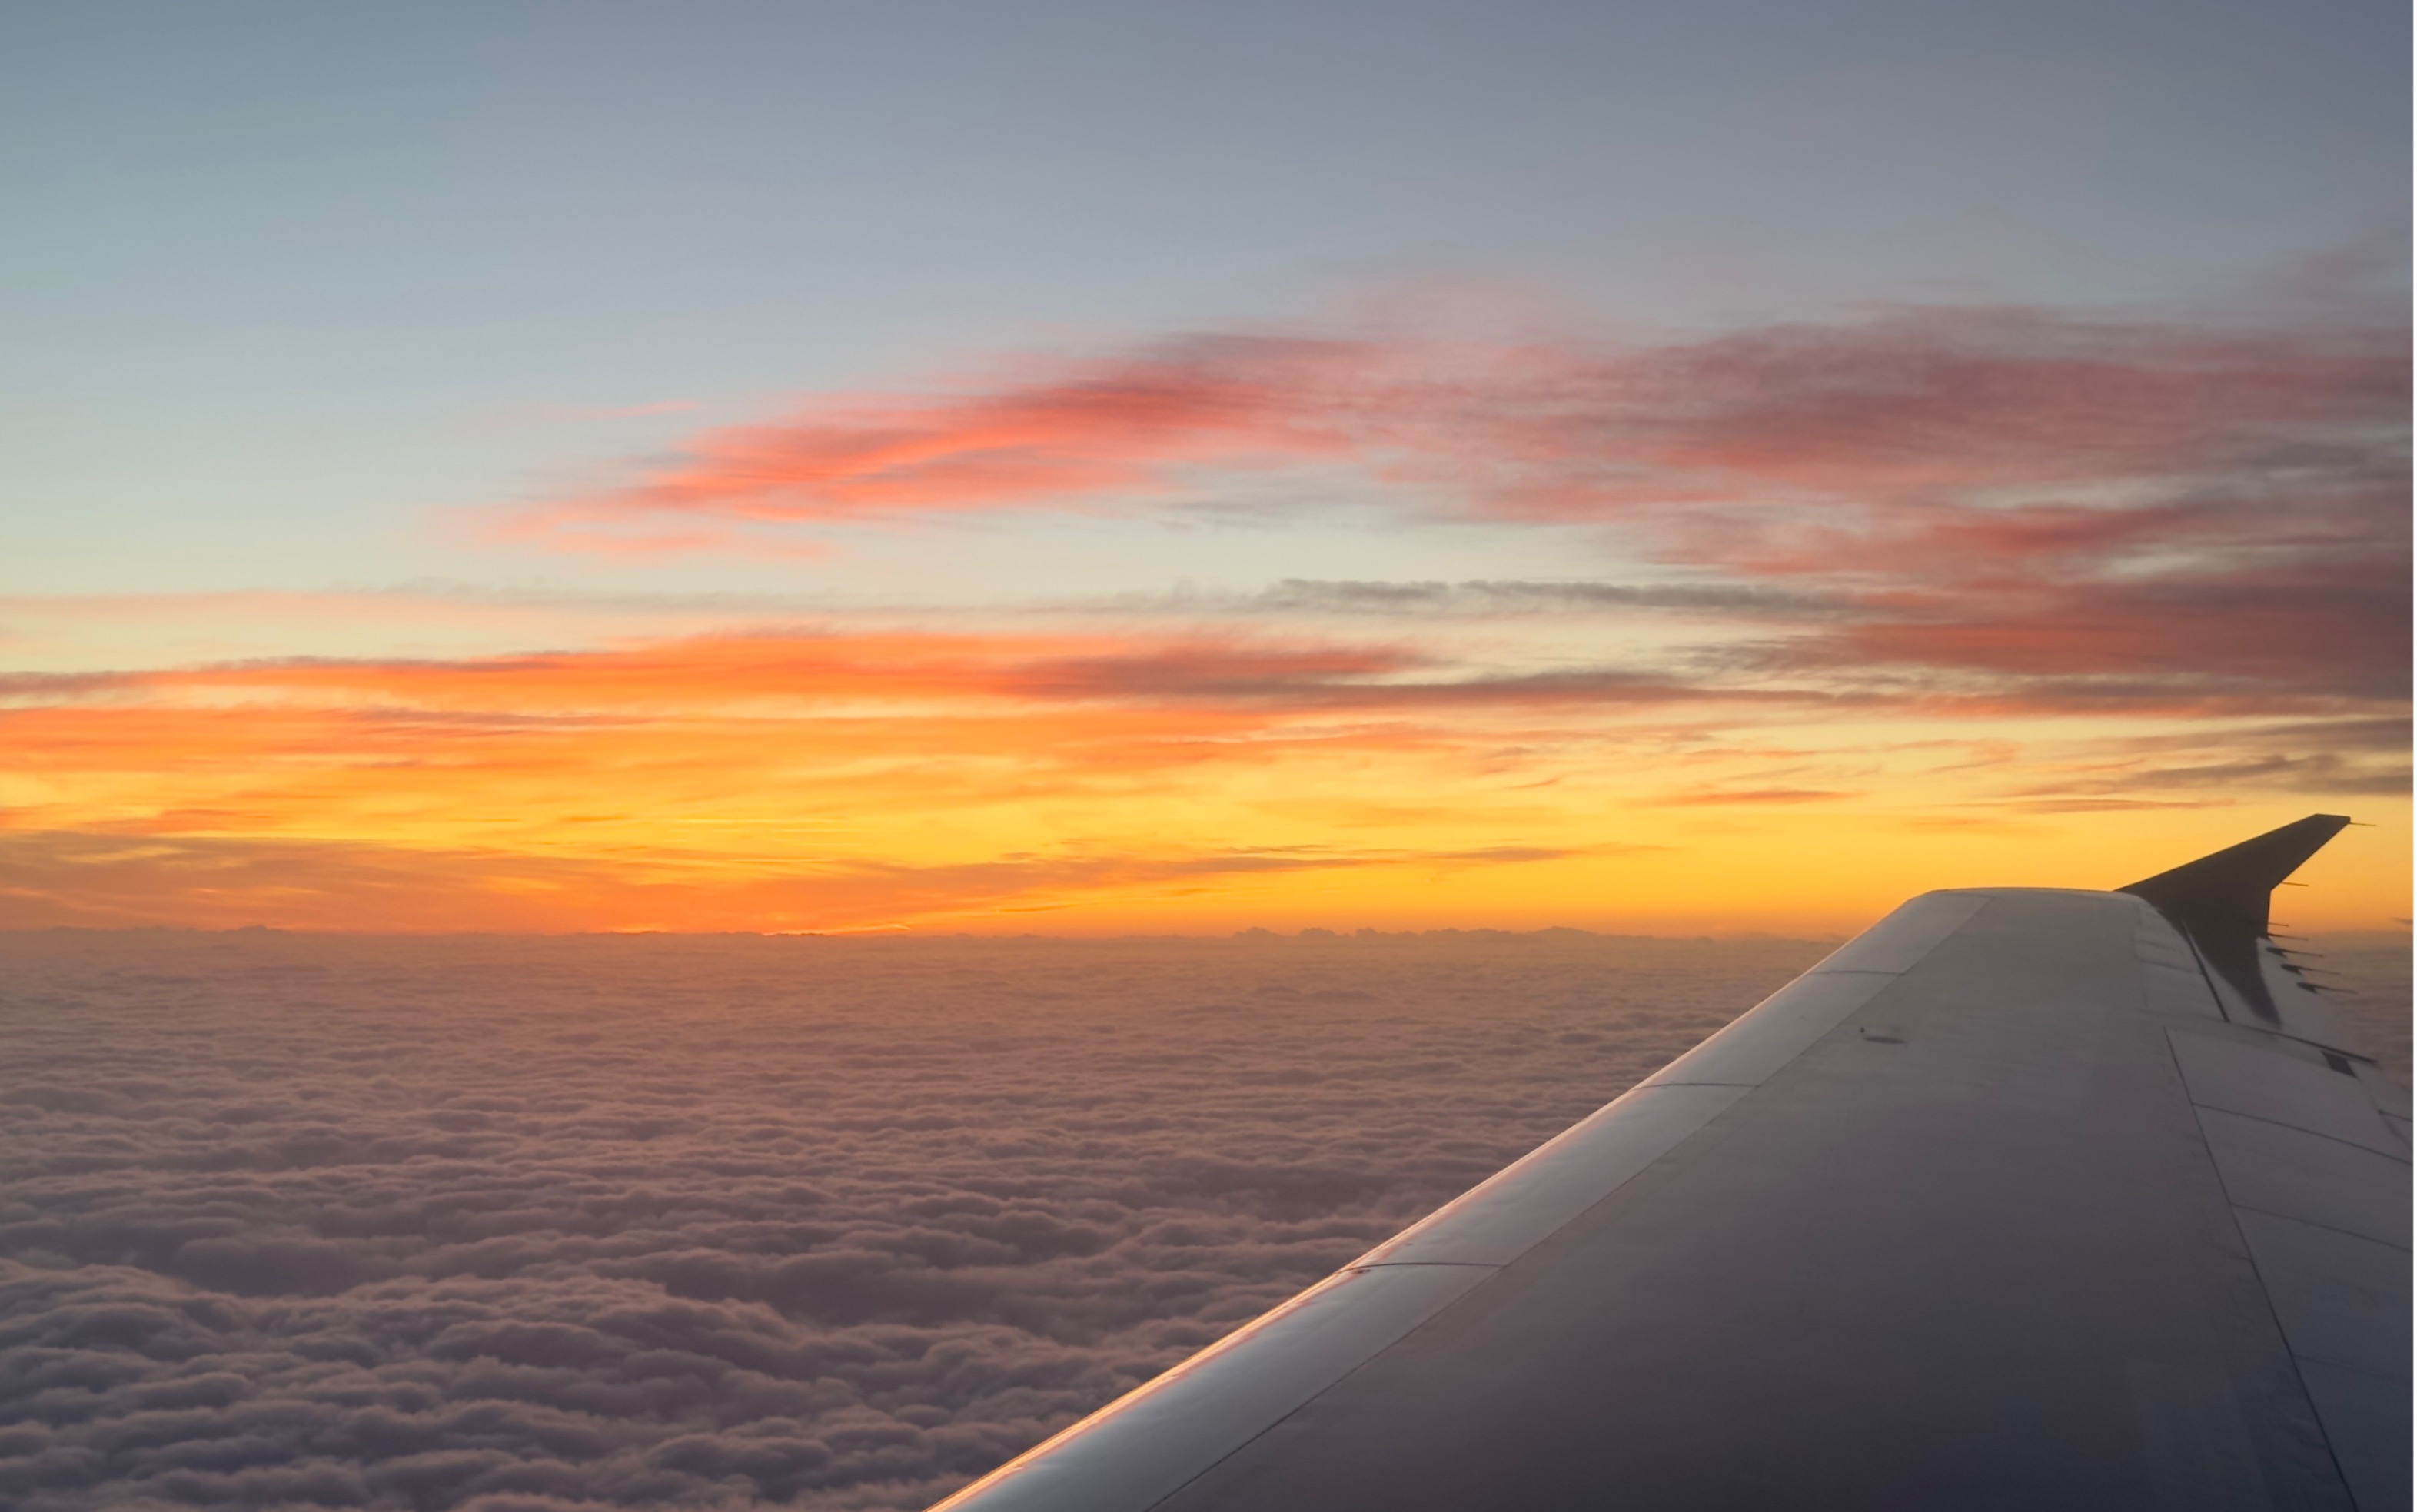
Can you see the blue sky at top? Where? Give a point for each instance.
(286, 282)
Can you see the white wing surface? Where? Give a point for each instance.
(2022, 1198)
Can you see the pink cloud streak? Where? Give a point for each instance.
(1992, 490)
(1911, 407)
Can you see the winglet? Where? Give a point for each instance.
(2220, 901)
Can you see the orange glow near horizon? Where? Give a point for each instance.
(1934, 597)
(1064, 782)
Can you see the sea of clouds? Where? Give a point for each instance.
(519, 1223)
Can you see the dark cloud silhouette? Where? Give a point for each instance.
(2329, 631)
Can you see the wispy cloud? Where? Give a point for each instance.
(2314, 632)
(1918, 431)
(66, 877)
(1723, 600)
(1047, 433)
(1240, 672)
(2088, 502)
(1709, 797)
(2320, 771)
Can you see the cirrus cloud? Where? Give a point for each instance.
(1912, 432)
(1980, 494)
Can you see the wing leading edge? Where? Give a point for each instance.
(2021, 1197)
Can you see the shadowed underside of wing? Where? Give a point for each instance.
(2023, 1198)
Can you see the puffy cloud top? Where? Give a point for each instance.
(720, 1221)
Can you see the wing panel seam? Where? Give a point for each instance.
(2308, 1223)
(2248, 1252)
(2312, 1133)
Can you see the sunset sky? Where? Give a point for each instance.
(1078, 468)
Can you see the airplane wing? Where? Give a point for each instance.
(2022, 1198)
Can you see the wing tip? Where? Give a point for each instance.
(2253, 868)
(2221, 900)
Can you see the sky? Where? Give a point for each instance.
(1706, 469)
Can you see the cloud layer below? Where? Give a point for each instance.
(540, 1223)
(529, 1225)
